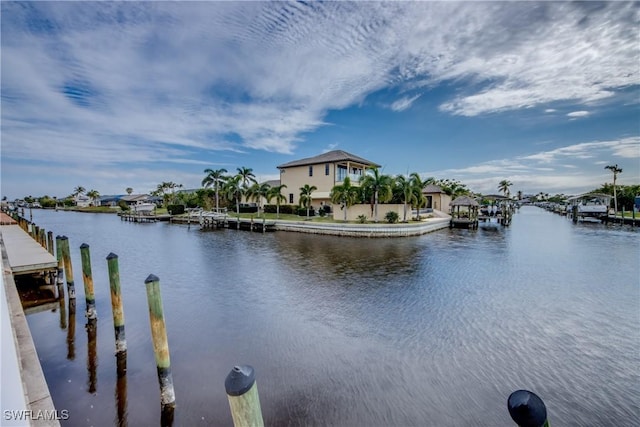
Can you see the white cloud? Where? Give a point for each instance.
(581, 113)
(164, 82)
(404, 103)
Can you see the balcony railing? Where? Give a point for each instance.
(354, 177)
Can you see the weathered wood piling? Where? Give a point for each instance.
(160, 342)
(116, 302)
(242, 393)
(88, 282)
(527, 409)
(68, 268)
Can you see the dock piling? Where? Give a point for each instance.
(160, 343)
(88, 282)
(116, 302)
(68, 268)
(242, 392)
(50, 242)
(527, 409)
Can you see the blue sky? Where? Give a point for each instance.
(117, 95)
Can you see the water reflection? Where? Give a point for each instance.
(71, 331)
(121, 389)
(92, 355)
(63, 307)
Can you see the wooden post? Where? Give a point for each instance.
(50, 242)
(116, 302)
(88, 282)
(68, 268)
(160, 343)
(527, 409)
(242, 392)
(60, 282)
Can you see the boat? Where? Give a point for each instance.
(590, 206)
(143, 208)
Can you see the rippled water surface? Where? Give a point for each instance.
(430, 330)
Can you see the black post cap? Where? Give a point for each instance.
(527, 409)
(151, 278)
(240, 380)
(84, 246)
(111, 256)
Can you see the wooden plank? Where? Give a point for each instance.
(25, 254)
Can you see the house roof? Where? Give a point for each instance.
(464, 201)
(134, 197)
(329, 157)
(272, 182)
(432, 188)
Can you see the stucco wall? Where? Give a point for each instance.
(365, 209)
(296, 177)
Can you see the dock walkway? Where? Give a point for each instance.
(25, 255)
(25, 393)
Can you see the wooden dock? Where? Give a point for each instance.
(217, 220)
(25, 255)
(139, 217)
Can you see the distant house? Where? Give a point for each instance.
(134, 199)
(111, 201)
(436, 198)
(324, 172)
(81, 201)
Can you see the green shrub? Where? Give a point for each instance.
(175, 209)
(303, 211)
(392, 217)
(362, 219)
(123, 206)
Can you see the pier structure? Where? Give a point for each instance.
(22, 372)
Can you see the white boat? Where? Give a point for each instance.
(143, 208)
(590, 205)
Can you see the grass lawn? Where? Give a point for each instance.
(291, 217)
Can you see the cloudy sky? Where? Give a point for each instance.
(117, 95)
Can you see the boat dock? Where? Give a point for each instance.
(21, 370)
(24, 254)
(141, 217)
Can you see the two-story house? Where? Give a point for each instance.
(324, 172)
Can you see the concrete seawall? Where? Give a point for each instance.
(365, 230)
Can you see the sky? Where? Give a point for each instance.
(114, 95)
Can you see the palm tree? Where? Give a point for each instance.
(257, 192)
(78, 190)
(616, 170)
(406, 188)
(305, 196)
(418, 185)
(504, 186)
(129, 190)
(277, 193)
(345, 194)
(216, 178)
(233, 190)
(379, 186)
(246, 176)
(93, 195)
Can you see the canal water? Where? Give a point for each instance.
(431, 330)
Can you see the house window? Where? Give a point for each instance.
(291, 198)
(326, 169)
(310, 170)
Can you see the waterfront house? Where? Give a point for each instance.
(436, 198)
(81, 201)
(135, 199)
(324, 171)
